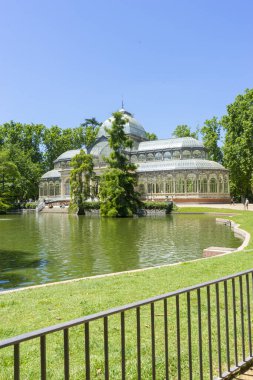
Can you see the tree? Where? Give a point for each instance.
(28, 137)
(117, 194)
(57, 141)
(211, 136)
(90, 130)
(9, 176)
(184, 131)
(80, 180)
(151, 136)
(238, 145)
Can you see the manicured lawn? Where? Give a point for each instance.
(32, 309)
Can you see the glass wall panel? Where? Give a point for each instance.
(191, 185)
(142, 157)
(176, 155)
(220, 185)
(186, 154)
(51, 189)
(167, 156)
(169, 186)
(150, 188)
(213, 185)
(67, 187)
(226, 185)
(41, 190)
(158, 156)
(45, 189)
(150, 157)
(180, 185)
(203, 185)
(57, 188)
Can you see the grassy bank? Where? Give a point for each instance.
(36, 308)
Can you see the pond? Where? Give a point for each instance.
(42, 248)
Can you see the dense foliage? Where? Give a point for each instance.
(80, 180)
(238, 145)
(29, 150)
(184, 131)
(117, 185)
(211, 136)
(32, 149)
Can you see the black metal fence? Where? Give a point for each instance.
(201, 332)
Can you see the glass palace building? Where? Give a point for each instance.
(175, 168)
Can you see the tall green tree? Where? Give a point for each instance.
(28, 137)
(184, 131)
(57, 141)
(151, 136)
(9, 179)
(81, 176)
(117, 185)
(90, 131)
(211, 136)
(238, 144)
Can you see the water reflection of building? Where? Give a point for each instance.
(175, 167)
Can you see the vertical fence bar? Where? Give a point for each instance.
(43, 370)
(138, 342)
(166, 343)
(234, 322)
(153, 339)
(249, 314)
(66, 353)
(87, 350)
(16, 362)
(200, 336)
(218, 327)
(189, 334)
(242, 318)
(106, 348)
(123, 355)
(178, 338)
(227, 325)
(209, 325)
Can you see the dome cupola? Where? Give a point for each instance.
(132, 127)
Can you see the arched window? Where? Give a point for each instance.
(141, 188)
(150, 157)
(191, 185)
(150, 190)
(220, 184)
(203, 185)
(41, 190)
(134, 158)
(157, 188)
(142, 157)
(180, 185)
(213, 185)
(169, 186)
(176, 155)
(67, 187)
(51, 189)
(196, 154)
(226, 185)
(186, 154)
(57, 188)
(158, 156)
(45, 189)
(167, 156)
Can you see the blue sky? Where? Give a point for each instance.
(173, 62)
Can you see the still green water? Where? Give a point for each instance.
(41, 248)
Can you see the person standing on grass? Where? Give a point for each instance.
(246, 204)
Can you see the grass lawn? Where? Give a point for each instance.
(32, 309)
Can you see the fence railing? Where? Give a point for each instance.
(200, 332)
